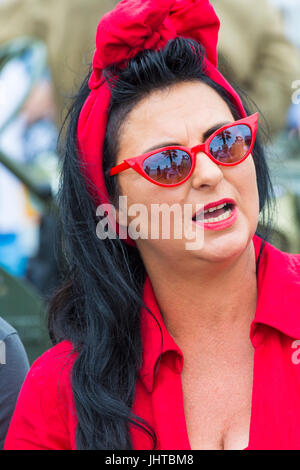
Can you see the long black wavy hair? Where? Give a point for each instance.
(97, 307)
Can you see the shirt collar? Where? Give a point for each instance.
(156, 340)
(278, 292)
(278, 306)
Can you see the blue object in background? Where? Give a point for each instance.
(293, 116)
(11, 254)
(40, 137)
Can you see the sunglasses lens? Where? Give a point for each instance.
(232, 144)
(168, 167)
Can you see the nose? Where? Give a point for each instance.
(206, 172)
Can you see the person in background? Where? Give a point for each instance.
(290, 11)
(68, 29)
(14, 366)
(255, 54)
(264, 67)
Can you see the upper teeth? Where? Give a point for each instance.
(215, 208)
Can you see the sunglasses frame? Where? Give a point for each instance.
(136, 163)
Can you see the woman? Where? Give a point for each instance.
(131, 310)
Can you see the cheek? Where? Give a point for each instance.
(144, 200)
(247, 187)
(140, 191)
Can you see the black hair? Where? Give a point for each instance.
(98, 306)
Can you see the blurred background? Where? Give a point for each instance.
(46, 47)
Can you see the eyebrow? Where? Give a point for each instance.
(205, 136)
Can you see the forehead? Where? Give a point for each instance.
(179, 114)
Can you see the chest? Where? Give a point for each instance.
(217, 399)
(209, 402)
(217, 411)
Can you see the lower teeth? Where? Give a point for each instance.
(218, 219)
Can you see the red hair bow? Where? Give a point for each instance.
(135, 25)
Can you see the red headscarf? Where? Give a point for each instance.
(133, 26)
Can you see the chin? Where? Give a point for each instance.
(226, 245)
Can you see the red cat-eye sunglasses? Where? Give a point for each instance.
(172, 166)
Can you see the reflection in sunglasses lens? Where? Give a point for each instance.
(168, 167)
(232, 144)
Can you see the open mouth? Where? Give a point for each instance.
(215, 214)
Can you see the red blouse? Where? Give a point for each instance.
(45, 416)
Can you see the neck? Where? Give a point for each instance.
(211, 298)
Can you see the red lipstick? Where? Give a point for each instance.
(222, 224)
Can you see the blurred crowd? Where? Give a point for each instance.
(259, 53)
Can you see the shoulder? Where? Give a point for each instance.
(50, 375)
(278, 272)
(56, 362)
(13, 357)
(57, 354)
(45, 416)
(14, 363)
(278, 296)
(271, 254)
(289, 263)
(5, 329)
